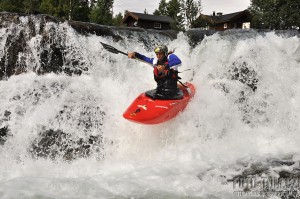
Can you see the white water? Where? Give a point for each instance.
(214, 139)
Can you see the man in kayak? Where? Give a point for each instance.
(165, 71)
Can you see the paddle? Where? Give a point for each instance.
(112, 49)
(116, 51)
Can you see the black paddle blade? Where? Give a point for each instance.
(112, 49)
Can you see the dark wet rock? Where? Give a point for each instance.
(85, 118)
(197, 35)
(4, 128)
(91, 28)
(55, 144)
(7, 115)
(284, 174)
(19, 33)
(3, 134)
(15, 45)
(242, 73)
(81, 119)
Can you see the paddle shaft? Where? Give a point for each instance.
(122, 52)
(116, 51)
(112, 49)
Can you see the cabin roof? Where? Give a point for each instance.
(147, 17)
(227, 17)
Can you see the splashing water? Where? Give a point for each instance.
(246, 110)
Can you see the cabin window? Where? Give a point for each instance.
(225, 25)
(246, 25)
(157, 25)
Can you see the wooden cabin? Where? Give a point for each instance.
(220, 22)
(146, 21)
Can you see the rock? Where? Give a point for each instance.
(4, 130)
(3, 134)
(55, 144)
(197, 35)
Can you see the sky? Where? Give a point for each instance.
(208, 6)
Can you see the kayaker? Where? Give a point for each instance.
(165, 71)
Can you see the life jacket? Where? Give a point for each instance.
(166, 73)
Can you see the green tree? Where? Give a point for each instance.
(79, 10)
(275, 14)
(12, 6)
(192, 10)
(66, 9)
(47, 7)
(156, 12)
(265, 14)
(102, 12)
(118, 20)
(201, 21)
(162, 8)
(175, 10)
(31, 6)
(57, 8)
(290, 14)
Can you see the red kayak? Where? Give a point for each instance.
(146, 109)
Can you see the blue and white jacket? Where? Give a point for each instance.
(173, 60)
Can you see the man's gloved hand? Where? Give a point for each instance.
(160, 68)
(131, 55)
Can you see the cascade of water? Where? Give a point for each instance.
(64, 136)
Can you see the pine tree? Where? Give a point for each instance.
(79, 10)
(275, 14)
(163, 8)
(12, 6)
(156, 12)
(57, 8)
(102, 12)
(32, 6)
(117, 20)
(192, 10)
(175, 9)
